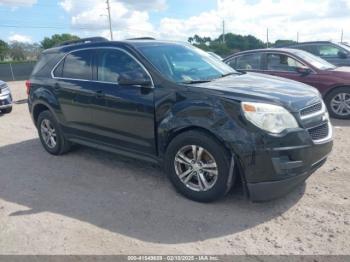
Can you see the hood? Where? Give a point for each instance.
(264, 88)
(342, 69)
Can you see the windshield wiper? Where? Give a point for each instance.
(195, 81)
(228, 74)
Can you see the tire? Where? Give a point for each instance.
(6, 110)
(48, 121)
(218, 184)
(339, 96)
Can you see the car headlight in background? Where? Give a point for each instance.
(271, 118)
(4, 89)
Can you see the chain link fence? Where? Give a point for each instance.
(16, 71)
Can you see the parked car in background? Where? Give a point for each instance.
(5, 98)
(335, 53)
(333, 82)
(176, 105)
(215, 55)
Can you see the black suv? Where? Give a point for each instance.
(335, 53)
(171, 103)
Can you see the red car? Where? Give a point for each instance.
(332, 82)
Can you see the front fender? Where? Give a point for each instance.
(219, 117)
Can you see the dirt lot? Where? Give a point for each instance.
(92, 202)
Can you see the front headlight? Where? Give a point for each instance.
(3, 86)
(269, 117)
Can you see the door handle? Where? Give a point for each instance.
(99, 94)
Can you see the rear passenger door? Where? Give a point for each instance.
(123, 115)
(74, 89)
(250, 62)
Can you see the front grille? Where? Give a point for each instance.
(319, 132)
(311, 109)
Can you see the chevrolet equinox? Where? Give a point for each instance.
(173, 104)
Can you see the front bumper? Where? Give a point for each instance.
(279, 165)
(5, 99)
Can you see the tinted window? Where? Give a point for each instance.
(310, 48)
(184, 63)
(58, 70)
(232, 62)
(281, 62)
(113, 63)
(248, 62)
(329, 50)
(77, 65)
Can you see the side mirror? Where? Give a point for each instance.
(136, 80)
(342, 54)
(303, 70)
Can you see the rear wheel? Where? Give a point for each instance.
(50, 134)
(198, 166)
(338, 103)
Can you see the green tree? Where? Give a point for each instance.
(17, 51)
(283, 43)
(56, 39)
(4, 49)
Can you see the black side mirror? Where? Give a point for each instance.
(342, 54)
(136, 80)
(303, 70)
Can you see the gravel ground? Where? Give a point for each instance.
(92, 202)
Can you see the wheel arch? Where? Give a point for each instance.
(38, 108)
(178, 131)
(329, 90)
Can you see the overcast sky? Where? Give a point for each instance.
(31, 20)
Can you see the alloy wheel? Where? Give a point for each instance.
(340, 104)
(48, 133)
(196, 168)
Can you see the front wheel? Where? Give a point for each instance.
(198, 166)
(338, 103)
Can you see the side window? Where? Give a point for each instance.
(309, 48)
(248, 62)
(232, 63)
(77, 65)
(281, 62)
(58, 70)
(329, 50)
(111, 64)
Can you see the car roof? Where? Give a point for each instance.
(136, 42)
(262, 50)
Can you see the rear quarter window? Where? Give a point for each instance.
(77, 65)
(45, 64)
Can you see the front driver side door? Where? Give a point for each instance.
(123, 115)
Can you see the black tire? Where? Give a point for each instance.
(216, 150)
(6, 110)
(331, 95)
(62, 144)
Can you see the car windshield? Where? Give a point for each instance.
(183, 63)
(315, 61)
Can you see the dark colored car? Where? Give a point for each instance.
(333, 82)
(335, 53)
(5, 98)
(173, 104)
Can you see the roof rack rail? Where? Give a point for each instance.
(84, 41)
(141, 38)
